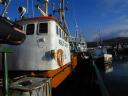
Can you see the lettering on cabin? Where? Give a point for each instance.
(62, 43)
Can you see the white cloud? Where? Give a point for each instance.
(119, 28)
(123, 34)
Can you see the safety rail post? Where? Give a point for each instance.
(4, 51)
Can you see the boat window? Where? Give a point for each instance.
(30, 29)
(43, 27)
(82, 43)
(60, 32)
(57, 30)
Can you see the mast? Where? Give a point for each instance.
(46, 7)
(62, 14)
(61, 10)
(100, 38)
(76, 32)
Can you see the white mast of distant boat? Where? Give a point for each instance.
(77, 33)
(99, 39)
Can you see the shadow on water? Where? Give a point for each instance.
(117, 81)
(80, 83)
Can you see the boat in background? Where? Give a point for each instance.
(82, 45)
(102, 59)
(78, 43)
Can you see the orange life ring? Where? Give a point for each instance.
(60, 59)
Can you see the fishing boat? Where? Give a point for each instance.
(82, 45)
(103, 60)
(46, 50)
(79, 40)
(78, 44)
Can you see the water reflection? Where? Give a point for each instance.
(120, 59)
(117, 80)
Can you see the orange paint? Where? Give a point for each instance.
(60, 77)
(60, 74)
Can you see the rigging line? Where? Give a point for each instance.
(27, 6)
(77, 31)
(71, 9)
(33, 8)
(76, 28)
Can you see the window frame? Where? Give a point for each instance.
(38, 33)
(32, 33)
(57, 29)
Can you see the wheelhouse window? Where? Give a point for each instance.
(60, 32)
(43, 28)
(57, 30)
(65, 36)
(30, 29)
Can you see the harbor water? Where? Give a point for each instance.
(83, 82)
(117, 81)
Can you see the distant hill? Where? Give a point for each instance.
(112, 41)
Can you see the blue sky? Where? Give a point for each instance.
(109, 17)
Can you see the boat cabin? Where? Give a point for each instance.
(46, 46)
